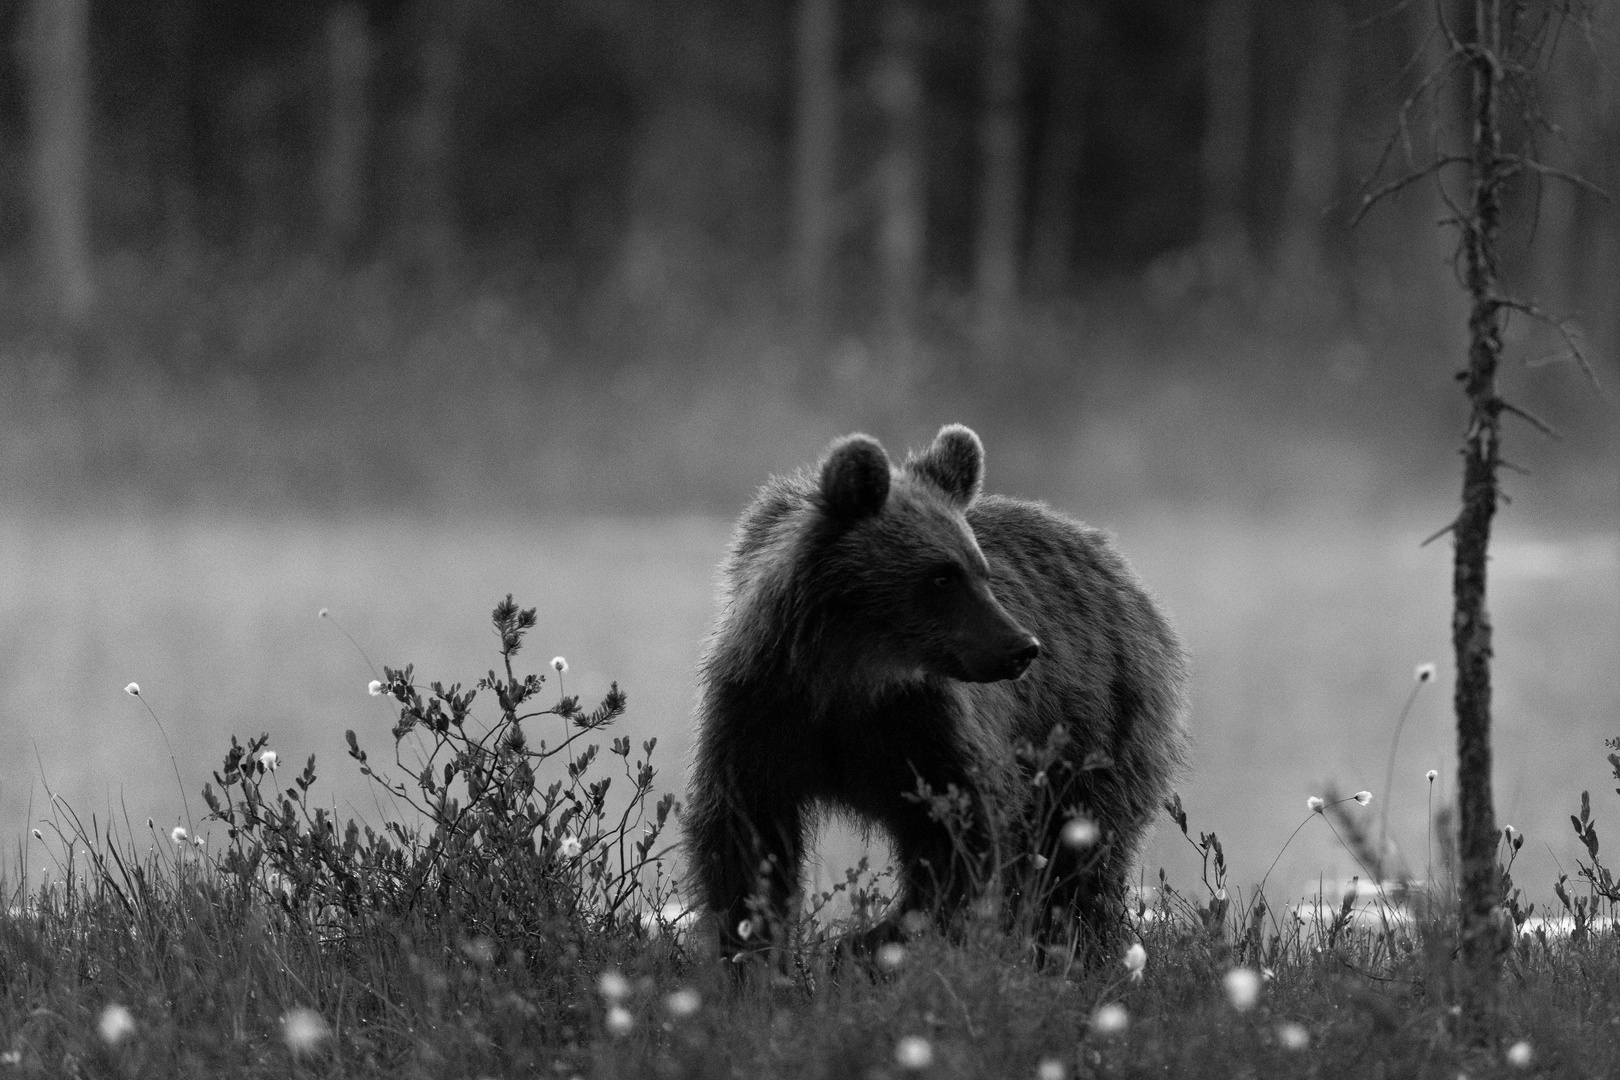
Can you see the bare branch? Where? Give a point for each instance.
(1384, 191)
(1519, 162)
(1439, 534)
(1531, 419)
(1563, 327)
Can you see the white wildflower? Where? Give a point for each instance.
(683, 1002)
(1431, 774)
(745, 929)
(1292, 1036)
(269, 760)
(1136, 961)
(1110, 1019)
(559, 664)
(570, 847)
(1040, 861)
(375, 687)
(133, 689)
(1051, 1069)
(1363, 797)
(891, 956)
(304, 1030)
(11, 1057)
(1519, 1055)
(1242, 988)
(1080, 833)
(178, 834)
(914, 1052)
(613, 986)
(619, 1020)
(1424, 673)
(1314, 804)
(39, 836)
(116, 1024)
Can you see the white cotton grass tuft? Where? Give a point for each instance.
(1519, 1055)
(269, 760)
(115, 1025)
(613, 986)
(1110, 1019)
(304, 1030)
(374, 687)
(322, 614)
(1242, 988)
(570, 847)
(1314, 804)
(1293, 1036)
(891, 956)
(133, 689)
(1080, 833)
(683, 1002)
(1050, 1068)
(1363, 797)
(39, 836)
(559, 664)
(178, 834)
(914, 1052)
(1135, 961)
(619, 1021)
(1432, 774)
(1424, 673)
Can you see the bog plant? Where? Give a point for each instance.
(508, 839)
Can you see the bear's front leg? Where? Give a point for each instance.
(747, 852)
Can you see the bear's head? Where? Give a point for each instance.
(898, 567)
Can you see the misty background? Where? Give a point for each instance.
(394, 308)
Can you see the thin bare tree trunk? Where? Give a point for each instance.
(341, 183)
(1228, 105)
(901, 194)
(815, 159)
(59, 130)
(1471, 625)
(1001, 154)
(1057, 170)
(1314, 166)
(426, 224)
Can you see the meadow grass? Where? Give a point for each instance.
(518, 921)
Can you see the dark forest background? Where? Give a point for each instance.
(630, 253)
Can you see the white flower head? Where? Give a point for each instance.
(1080, 833)
(613, 986)
(1507, 831)
(1051, 1069)
(116, 1024)
(269, 760)
(1136, 961)
(745, 929)
(1314, 804)
(1110, 1019)
(304, 1030)
(323, 613)
(1242, 988)
(178, 834)
(570, 847)
(559, 664)
(1040, 861)
(1293, 1036)
(39, 836)
(683, 1002)
(1520, 1055)
(891, 956)
(1363, 797)
(133, 689)
(1424, 673)
(375, 687)
(1431, 774)
(619, 1021)
(914, 1052)
(11, 1057)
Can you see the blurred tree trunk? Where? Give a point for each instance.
(1314, 157)
(1228, 110)
(1057, 168)
(173, 152)
(1001, 180)
(902, 195)
(425, 228)
(58, 72)
(342, 180)
(815, 159)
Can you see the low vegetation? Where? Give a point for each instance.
(513, 913)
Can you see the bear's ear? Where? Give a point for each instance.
(855, 478)
(954, 463)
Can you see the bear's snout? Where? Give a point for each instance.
(1025, 656)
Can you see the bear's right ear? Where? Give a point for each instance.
(855, 478)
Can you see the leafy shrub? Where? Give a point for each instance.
(495, 854)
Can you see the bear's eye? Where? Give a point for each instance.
(944, 576)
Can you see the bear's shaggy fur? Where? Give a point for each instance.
(874, 639)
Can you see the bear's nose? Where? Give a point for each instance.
(1026, 655)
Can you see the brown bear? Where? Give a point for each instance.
(888, 633)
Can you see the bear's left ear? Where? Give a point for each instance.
(954, 463)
